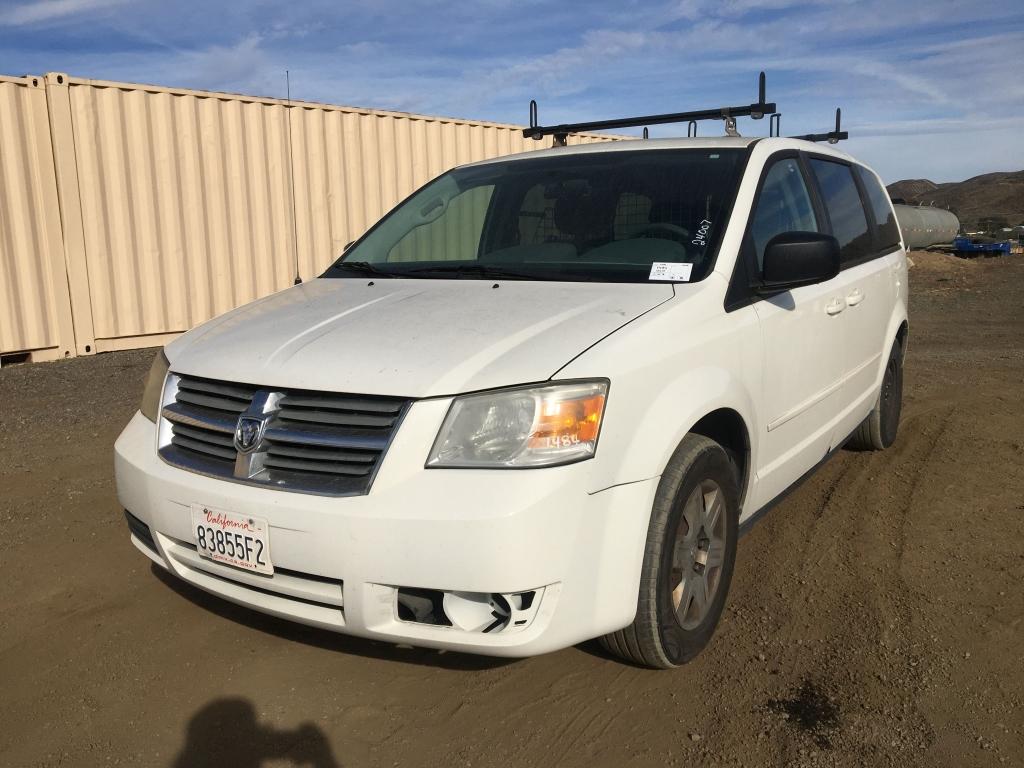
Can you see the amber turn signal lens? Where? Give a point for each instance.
(565, 423)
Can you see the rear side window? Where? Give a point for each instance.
(887, 231)
(784, 205)
(845, 210)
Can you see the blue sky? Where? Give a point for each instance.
(929, 88)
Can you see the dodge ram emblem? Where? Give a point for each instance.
(248, 433)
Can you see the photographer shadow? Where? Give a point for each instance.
(226, 732)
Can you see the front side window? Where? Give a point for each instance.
(606, 216)
(784, 205)
(845, 210)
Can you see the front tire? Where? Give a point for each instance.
(688, 561)
(878, 431)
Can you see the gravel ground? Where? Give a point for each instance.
(876, 616)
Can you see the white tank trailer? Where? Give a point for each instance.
(923, 225)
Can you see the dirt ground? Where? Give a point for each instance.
(876, 617)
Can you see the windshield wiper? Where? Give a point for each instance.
(483, 270)
(364, 267)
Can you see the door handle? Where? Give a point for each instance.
(856, 297)
(835, 306)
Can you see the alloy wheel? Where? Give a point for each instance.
(699, 554)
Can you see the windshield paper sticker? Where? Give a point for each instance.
(671, 270)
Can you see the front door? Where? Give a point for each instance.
(802, 331)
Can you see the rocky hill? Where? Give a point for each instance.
(991, 195)
(911, 189)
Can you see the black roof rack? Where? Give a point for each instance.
(832, 137)
(757, 110)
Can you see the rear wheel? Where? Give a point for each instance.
(689, 559)
(878, 431)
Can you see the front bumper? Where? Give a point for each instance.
(340, 561)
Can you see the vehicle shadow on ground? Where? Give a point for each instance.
(226, 732)
(320, 638)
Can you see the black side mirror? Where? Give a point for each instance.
(793, 259)
(348, 245)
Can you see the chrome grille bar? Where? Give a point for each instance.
(312, 434)
(309, 442)
(212, 421)
(305, 465)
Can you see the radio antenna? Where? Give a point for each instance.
(291, 174)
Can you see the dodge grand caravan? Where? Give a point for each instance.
(536, 403)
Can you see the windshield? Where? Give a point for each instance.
(624, 216)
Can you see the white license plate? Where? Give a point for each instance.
(237, 540)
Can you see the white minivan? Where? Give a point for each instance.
(537, 403)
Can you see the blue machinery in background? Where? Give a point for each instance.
(965, 246)
(924, 226)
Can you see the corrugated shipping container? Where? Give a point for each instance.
(34, 311)
(178, 205)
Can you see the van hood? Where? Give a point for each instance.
(412, 338)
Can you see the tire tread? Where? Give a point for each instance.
(640, 642)
(868, 435)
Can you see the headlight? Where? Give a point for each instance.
(523, 427)
(150, 406)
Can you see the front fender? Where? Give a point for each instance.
(668, 371)
(644, 439)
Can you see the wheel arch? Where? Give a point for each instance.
(707, 400)
(727, 427)
(898, 330)
(902, 336)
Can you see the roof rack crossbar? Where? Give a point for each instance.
(832, 137)
(756, 111)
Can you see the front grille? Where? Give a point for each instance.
(214, 395)
(312, 442)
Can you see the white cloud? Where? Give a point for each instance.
(899, 70)
(238, 65)
(938, 126)
(48, 10)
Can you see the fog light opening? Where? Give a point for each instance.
(472, 611)
(489, 613)
(483, 612)
(422, 606)
(501, 611)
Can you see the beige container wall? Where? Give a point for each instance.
(185, 203)
(178, 204)
(34, 305)
(352, 167)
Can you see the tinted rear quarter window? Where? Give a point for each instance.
(887, 231)
(845, 210)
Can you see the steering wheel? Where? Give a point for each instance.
(663, 228)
